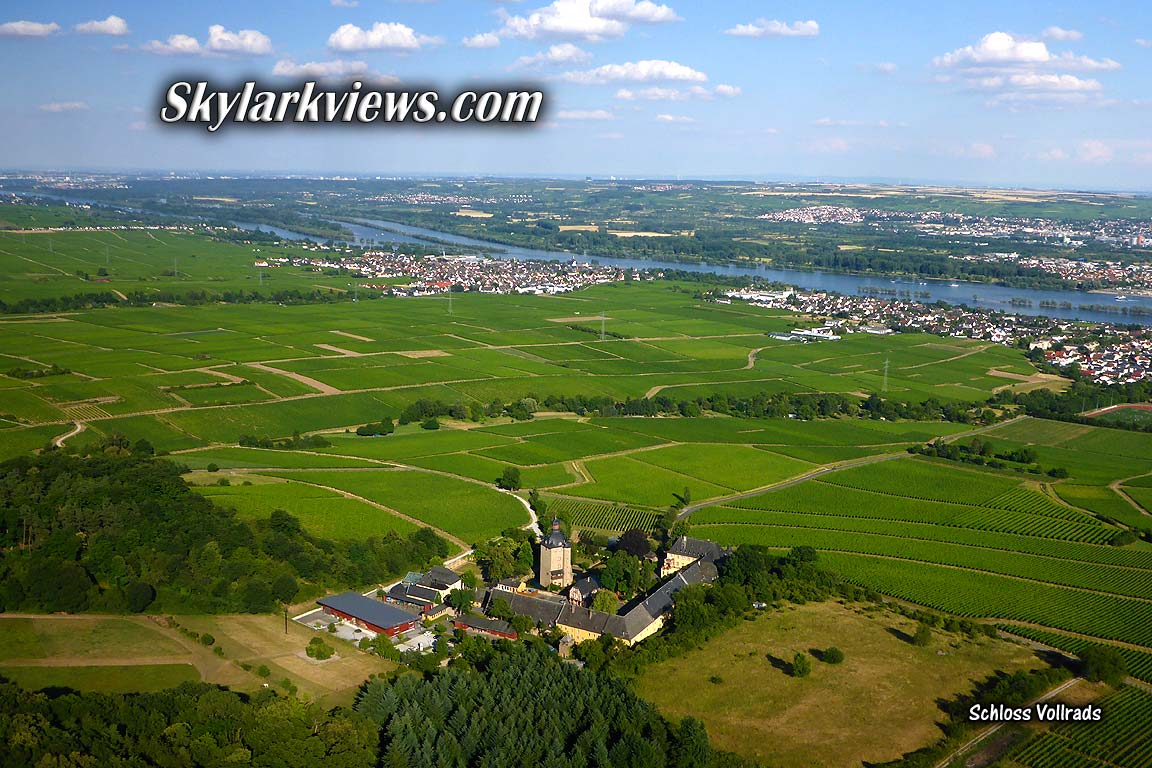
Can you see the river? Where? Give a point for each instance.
(985, 295)
(980, 295)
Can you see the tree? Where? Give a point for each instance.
(284, 588)
(213, 467)
(923, 636)
(833, 656)
(634, 542)
(604, 601)
(461, 600)
(143, 448)
(510, 479)
(1100, 663)
(138, 596)
(430, 423)
(801, 666)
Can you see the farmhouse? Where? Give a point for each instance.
(369, 614)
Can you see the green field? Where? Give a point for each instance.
(1120, 739)
(111, 678)
(880, 703)
(464, 509)
(322, 512)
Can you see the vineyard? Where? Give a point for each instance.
(1119, 739)
(603, 516)
(1093, 576)
(971, 593)
(823, 497)
(1138, 663)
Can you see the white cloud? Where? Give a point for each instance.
(645, 71)
(675, 119)
(1059, 33)
(337, 69)
(996, 48)
(482, 40)
(643, 12)
(981, 151)
(660, 93)
(28, 29)
(610, 136)
(246, 41)
(884, 67)
(113, 25)
(585, 114)
(565, 19)
(346, 3)
(1094, 151)
(1143, 43)
(561, 53)
(64, 106)
(221, 42)
(775, 28)
(1052, 82)
(1004, 50)
(383, 36)
(175, 45)
(1052, 155)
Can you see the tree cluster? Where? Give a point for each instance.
(125, 533)
(294, 443)
(192, 725)
(516, 705)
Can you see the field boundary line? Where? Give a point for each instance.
(810, 475)
(935, 541)
(408, 518)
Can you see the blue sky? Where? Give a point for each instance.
(999, 93)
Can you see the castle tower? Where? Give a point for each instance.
(555, 558)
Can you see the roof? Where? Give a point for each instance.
(556, 537)
(586, 585)
(705, 550)
(414, 593)
(368, 610)
(485, 625)
(440, 577)
(539, 609)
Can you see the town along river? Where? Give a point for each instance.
(1103, 307)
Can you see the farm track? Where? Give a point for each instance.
(992, 729)
(61, 439)
(1115, 485)
(408, 518)
(324, 389)
(719, 500)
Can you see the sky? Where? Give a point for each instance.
(1039, 94)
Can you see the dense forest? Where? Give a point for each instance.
(516, 704)
(192, 725)
(123, 532)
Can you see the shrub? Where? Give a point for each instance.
(923, 635)
(801, 666)
(263, 670)
(207, 639)
(213, 467)
(833, 656)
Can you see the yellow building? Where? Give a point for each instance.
(555, 558)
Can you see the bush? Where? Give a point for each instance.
(430, 423)
(263, 670)
(923, 636)
(319, 650)
(1099, 663)
(223, 482)
(207, 639)
(139, 596)
(833, 656)
(801, 666)
(213, 467)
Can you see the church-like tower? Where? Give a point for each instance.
(555, 558)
